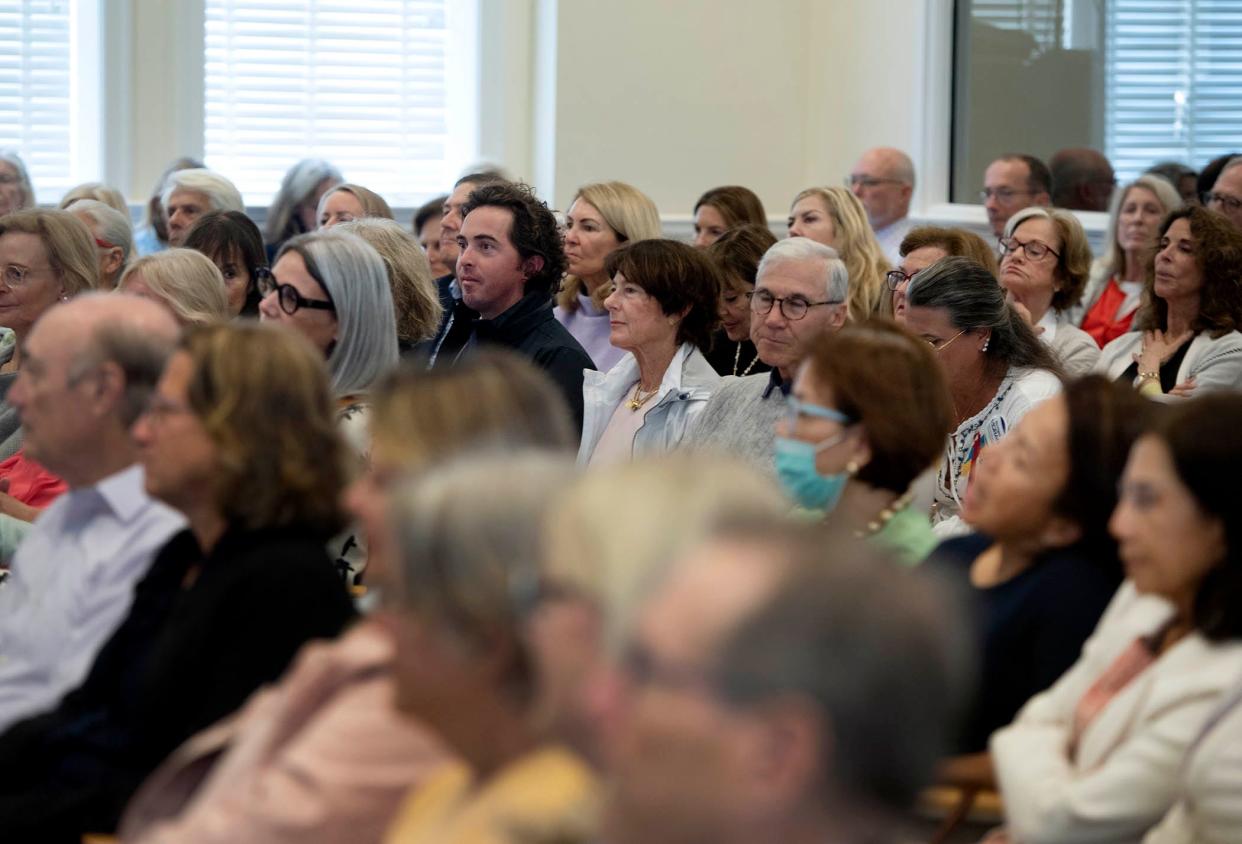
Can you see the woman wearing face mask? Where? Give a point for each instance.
(869, 413)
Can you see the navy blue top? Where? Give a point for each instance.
(1030, 629)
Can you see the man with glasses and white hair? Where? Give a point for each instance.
(189, 194)
(883, 181)
(1226, 194)
(800, 293)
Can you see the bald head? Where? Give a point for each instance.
(1082, 179)
(883, 180)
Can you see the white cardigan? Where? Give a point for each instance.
(1215, 364)
(1124, 777)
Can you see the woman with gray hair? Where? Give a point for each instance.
(293, 210)
(16, 192)
(114, 237)
(189, 194)
(996, 367)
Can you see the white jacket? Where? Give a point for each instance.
(687, 385)
(1215, 364)
(1124, 777)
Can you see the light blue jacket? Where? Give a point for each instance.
(687, 385)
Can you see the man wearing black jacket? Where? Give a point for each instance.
(509, 266)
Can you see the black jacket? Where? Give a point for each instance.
(528, 328)
(185, 657)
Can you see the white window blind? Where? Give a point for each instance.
(371, 85)
(1174, 82)
(35, 81)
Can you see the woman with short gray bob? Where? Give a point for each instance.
(114, 237)
(16, 192)
(294, 209)
(997, 368)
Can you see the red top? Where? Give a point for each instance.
(1102, 322)
(29, 482)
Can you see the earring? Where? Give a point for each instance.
(852, 468)
(985, 344)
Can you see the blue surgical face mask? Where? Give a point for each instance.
(795, 461)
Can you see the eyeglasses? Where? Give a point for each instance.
(896, 278)
(1002, 194)
(1224, 200)
(792, 307)
(16, 275)
(158, 408)
(852, 181)
(1033, 249)
(795, 408)
(290, 300)
(943, 345)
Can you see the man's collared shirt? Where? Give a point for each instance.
(890, 238)
(70, 584)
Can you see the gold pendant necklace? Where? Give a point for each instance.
(639, 399)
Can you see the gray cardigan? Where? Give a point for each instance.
(740, 420)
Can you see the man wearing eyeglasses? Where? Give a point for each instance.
(800, 293)
(1226, 195)
(883, 180)
(1011, 183)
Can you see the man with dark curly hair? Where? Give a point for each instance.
(510, 265)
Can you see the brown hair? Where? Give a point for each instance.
(1074, 262)
(415, 301)
(533, 232)
(69, 244)
(262, 394)
(955, 242)
(738, 205)
(1218, 252)
(738, 253)
(889, 381)
(680, 278)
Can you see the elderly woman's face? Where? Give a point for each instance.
(959, 352)
(28, 283)
(910, 266)
(10, 188)
(734, 310)
(1178, 274)
(316, 324)
(341, 207)
(636, 319)
(1138, 219)
(1032, 281)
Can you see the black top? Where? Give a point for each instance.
(726, 355)
(1031, 628)
(1168, 369)
(184, 657)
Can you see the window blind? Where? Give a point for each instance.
(35, 76)
(362, 84)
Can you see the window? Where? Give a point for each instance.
(381, 88)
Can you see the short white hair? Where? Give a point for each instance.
(114, 226)
(798, 250)
(222, 195)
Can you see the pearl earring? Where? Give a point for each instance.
(985, 344)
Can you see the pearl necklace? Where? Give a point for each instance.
(886, 515)
(737, 357)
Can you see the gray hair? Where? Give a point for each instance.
(353, 275)
(298, 186)
(803, 249)
(1165, 192)
(114, 226)
(14, 160)
(188, 283)
(222, 195)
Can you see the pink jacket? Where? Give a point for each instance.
(321, 757)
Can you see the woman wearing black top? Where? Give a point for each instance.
(1042, 565)
(240, 437)
(737, 253)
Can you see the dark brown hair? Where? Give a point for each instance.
(738, 205)
(534, 232)
(889, 381)
(224, 236)
(1218, 253)
(738, 253)
(679, 277)
(955, 242)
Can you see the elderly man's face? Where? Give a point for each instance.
(184, 208)
(783, 342)
(874, 181)
(1227, 195)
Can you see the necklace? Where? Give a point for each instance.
(639, 398)
(886, 515)
(737, 356)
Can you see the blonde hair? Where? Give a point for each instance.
(611, 533)
(187, 283)
(69, 244)
(373, 205)
(414, 296)
(99, 192)
(630, 214)
(858, 248)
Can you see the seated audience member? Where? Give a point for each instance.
(348, 202)
(426, 225)
(510, 263)
(1209, 174)
(468, 541)
(1044, 265)
(1115, 289)
(869, 414)
(1226, 194)
(189, 194)
(294, 209)
(800, 292)
(724, 208)
(114, 238)
(997, 368)
(737, 253)
(1183, 179)
(1082, 179)
(239, 437)
(153, 236)
(662, 309)
(924, 246)
(883, 181)
(46, 257)
(602, 217)
(1097, 756)
(99, 192)
(325, 754)
(16, 191)
(416, 306)
(183, 281)
(447, 287)
(72, 579)
(1187, 339)
(332, 288)
(760, 714)
(1011, 183)
(232, 242)
(1042, 566)
(835, 218)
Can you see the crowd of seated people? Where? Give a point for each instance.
(294, 546)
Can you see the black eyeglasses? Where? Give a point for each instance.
(792, 308)
(289, 298)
